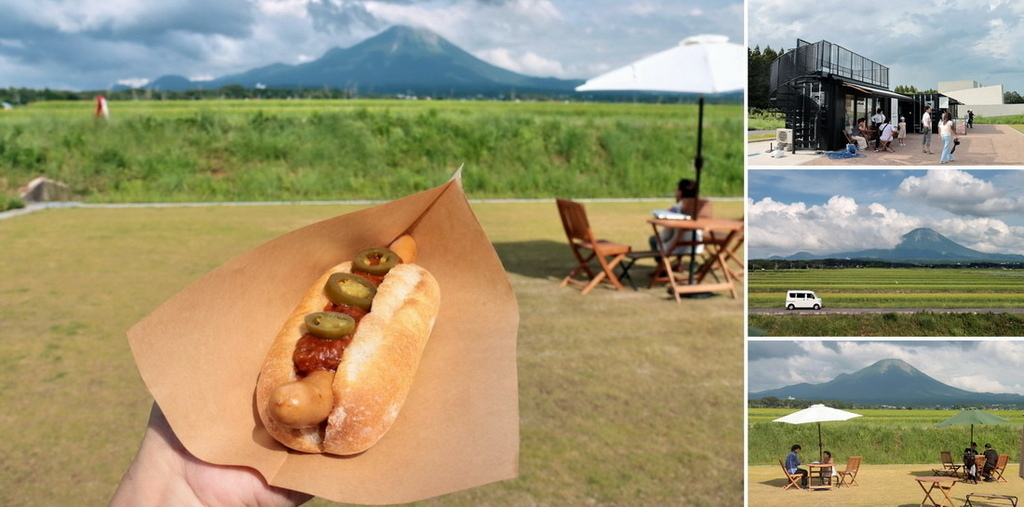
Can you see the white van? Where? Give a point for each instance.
(802, 299)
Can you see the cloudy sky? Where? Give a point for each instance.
(774, 364)
(829, 211)
(95, 44)
(922, 43)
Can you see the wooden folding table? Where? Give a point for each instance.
(716, 247)
(822, 472)
(937, 483)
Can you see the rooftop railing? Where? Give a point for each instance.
(828, 59)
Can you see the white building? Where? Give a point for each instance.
(983, 100)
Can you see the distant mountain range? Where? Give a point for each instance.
(399, 60)
(918, 245)
(888, 382)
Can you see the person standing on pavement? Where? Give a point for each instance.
(946, 132)
(926, 125)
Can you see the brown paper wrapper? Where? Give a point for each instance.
(200, 354)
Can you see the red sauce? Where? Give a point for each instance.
(375, 279)
(313, 353)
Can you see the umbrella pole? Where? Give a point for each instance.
(698, 163)
(821, 448)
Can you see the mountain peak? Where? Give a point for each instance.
(920, 245)
(922, 236)
(886, 365)
(400, 37)
(399, 60)
(888, 382)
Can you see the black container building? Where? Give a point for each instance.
(823, 88)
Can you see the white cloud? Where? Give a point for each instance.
(959, 192)
(134, 82)
(839, 225)
(524, 63)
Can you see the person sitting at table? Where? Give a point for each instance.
(832, 470)
(991, 457)
(793, 464)
(970, 469)
(861, 134)
(686, 203)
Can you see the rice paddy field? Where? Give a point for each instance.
(892, 288)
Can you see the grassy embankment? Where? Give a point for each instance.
(879, 436)
(343, 150)
(896, 289)
(759, 119)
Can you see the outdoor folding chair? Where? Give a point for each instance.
(852, 466)
(793, 478)
(949, 468)
(997, 472)
(586, 248)
(1012, 500)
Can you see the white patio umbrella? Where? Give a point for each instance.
(699, 64)
(817, 414)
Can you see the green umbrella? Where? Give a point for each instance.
(973, 416)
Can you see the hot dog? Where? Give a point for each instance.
(310, 407)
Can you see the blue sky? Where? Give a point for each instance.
(828, 211)
(774, 364)
(95, 44)
(922, 43)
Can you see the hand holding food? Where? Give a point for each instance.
(340, 368)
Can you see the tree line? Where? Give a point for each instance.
(795, 404)
(787, 264)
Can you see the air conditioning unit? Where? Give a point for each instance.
(783, 138)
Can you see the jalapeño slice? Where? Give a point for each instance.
(330, 325)
(375, 261)
(349, 289)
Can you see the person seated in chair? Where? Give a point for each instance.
(861, 134)
(831, 471)
(686, 203)
(991, 457)
(793, 464)
(887, 132)
(970, 469)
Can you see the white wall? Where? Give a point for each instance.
(994, 110)
(972, 97)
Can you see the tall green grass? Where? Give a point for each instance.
(892, 288)
(879, 436)
(327, 150)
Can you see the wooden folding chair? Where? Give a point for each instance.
(997, 472)
(793, 478)
(852, 466)
(586, 248)
(949, 468)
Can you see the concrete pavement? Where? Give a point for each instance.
(984, 145)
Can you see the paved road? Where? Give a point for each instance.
(854, 311)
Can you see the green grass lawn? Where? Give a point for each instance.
(626, 398)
